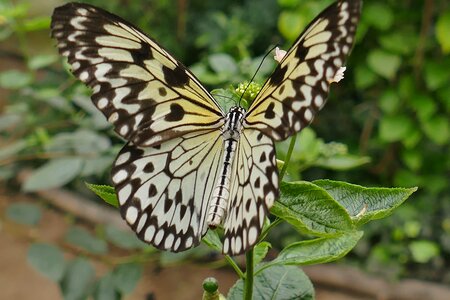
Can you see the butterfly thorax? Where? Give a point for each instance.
(231, 132)
(233, 123)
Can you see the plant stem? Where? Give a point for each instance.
(288, 156)
(235, 266)
(248, 281)
(268, 228)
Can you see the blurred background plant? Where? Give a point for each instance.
(393, 107)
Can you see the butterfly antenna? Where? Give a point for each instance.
(256, 72)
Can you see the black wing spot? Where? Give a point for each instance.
(278, 76)
(263, 157)
(142, 54)
(270, 114)
(176, 77)
(301, 52)
(257, 183)
(167, 205)
(152, 190)
(149, 168)
(176, 113)
(162, 91)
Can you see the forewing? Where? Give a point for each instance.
(164, 191)
(142, 90)
(299, 86)
(254, 188)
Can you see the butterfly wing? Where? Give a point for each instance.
(299, 86)
(164, 190)
(254, 188)
(142, 90)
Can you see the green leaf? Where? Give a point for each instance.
(260, 251)
(105, 289)
(124, 239)
(226, 98)
(384, 63)
(437, 75)
(310, 209)
(413, 158)
(395, 128)
(15, 79)
(78, 280)
(53, 174)
(442, 30)
(24, 213)
(315, 251)
(83, 239)
(291, 24)
(126, 277)
(212, 239)
(277, 283)
(424, 105)
(389, 101)
(379, 15)
(41, 61)
(437, 129)
(364, 77)
(423, 251)
(365, 204)
(223, 63)
(47, 259)
(342, 162)
(106, 192)
(403, 43)
(34, 24)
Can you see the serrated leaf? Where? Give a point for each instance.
(47, 259)
(24, 213)
(277, 283)
(442, 31)
(365, 204)
(54, 173)
(106, 192)
(78, 280)
(124, 239)
(319, 250)
(15, 79)
(83, 239)
(126, 277)
(384, 63)
(310, 209)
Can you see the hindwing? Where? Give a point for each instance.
(253, 190)
(164, 191)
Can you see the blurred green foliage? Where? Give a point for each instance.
(393, 107)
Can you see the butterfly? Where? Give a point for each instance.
(188, 165)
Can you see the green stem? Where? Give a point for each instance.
(248, 281)
(235, 266)
(288, 156)
(268, 228)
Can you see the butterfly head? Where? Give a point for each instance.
(233, 123)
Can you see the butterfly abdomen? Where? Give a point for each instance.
(231, 132)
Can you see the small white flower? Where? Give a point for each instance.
(338, 76)
(279, 54)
